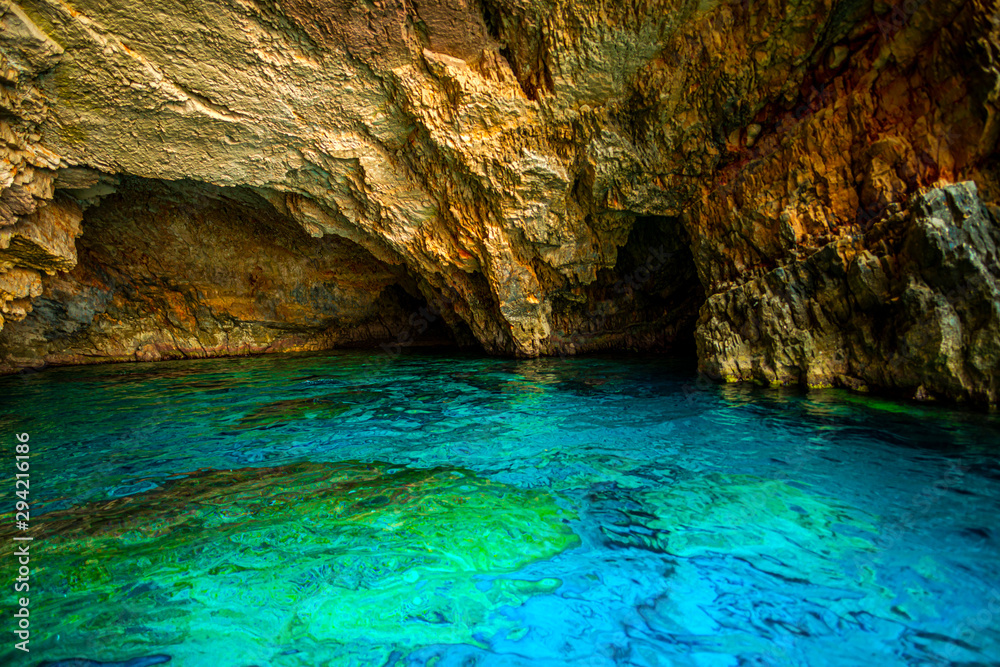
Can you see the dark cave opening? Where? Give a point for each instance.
(649, 301)
(660, 247)
(425, 325)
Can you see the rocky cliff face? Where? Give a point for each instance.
(808, 187)
(914, 302)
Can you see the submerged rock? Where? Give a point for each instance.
(325, 553)
(277, 413)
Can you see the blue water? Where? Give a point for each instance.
(360, 509)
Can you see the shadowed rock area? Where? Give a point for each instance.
(548, 177)
(186, 270)
(920, 308)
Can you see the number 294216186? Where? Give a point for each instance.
(22, 480)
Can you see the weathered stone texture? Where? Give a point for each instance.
(920, 314)
(498, 153)
(186, 270)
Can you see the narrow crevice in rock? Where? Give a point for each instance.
(521, 47)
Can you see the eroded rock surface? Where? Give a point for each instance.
(499, 155)
(185, 270)
(918, 311)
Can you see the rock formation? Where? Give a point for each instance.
(806, 189)
(915, 302)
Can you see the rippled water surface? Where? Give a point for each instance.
(359, 509)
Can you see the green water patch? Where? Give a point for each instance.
(263, 565)
(899, 407)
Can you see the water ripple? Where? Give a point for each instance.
(455, 510)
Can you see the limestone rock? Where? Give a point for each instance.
(503, 156)
(167, 272)
(44, 240)
(922, 317)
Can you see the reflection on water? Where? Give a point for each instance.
(338, 510)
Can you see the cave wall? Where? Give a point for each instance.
(914, 303)
(169, 270)
(502, 151)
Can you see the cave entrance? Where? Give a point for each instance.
(658, 266)
(649, 301)
(183, 269)
(427, 324)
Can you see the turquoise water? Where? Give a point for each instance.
(360, 509)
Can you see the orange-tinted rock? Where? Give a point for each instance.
(505, 152)
(920, 316)
(172, 271)
(44, 240)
